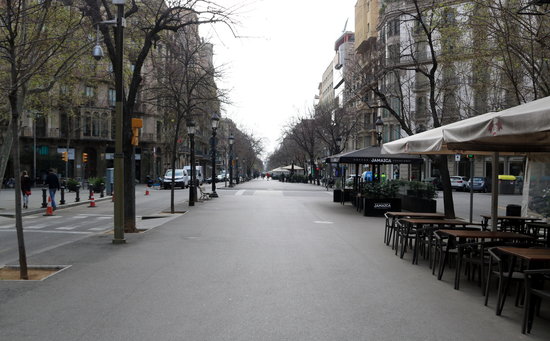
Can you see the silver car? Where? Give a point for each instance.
(460, 183)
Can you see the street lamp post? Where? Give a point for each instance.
(318, 171)
(231, 141)
(379, 124)
(97, 53)
(215, 121)
(238, 170)
(192, 189)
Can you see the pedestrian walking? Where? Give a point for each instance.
(53, 185)
(25, 188)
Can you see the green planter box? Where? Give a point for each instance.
(416, 204)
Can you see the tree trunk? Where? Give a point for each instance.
(129, 172)
(448, 203)
(16, 171)
(5, 150)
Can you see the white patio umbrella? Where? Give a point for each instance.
(290, 167)
(521, 129)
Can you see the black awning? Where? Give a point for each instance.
(372, 155)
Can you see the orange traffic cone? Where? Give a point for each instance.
(146, 190)
(49, 209)
(92, 201)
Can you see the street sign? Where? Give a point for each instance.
(457, 157)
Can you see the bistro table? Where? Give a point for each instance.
(508, 223)
(392, 217)
(415, 228)
(534, 257)
(459, 236)
(538, 230)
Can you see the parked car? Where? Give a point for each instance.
(460, 183)
(181, 179)
(481, 184)
(435, 181)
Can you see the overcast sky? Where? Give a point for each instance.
(274, 71)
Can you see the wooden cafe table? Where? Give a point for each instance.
(392, 217)
(508, 221)
(459, 236)
(534, 258)
(416, 225)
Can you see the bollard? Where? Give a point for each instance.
(62, 201)
(77, 199)
(102, 193)
(44, 203)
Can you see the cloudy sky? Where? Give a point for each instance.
(274, 70)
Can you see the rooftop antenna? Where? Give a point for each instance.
(345, 26)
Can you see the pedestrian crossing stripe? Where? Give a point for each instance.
(66, 228)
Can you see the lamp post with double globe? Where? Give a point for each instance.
(231, 141)
(379, 124)
(97, 53)
(215, 121)
(192, 189)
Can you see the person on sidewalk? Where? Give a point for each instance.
(25, 188)
(53, 185)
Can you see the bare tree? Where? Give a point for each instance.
(334, 126)
(403, 68)
(304, 132)
(186, 87)
(149, 19)
(39, 43)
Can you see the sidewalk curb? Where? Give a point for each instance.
(59, 207)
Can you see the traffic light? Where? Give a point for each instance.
(470, 156)
(137, 123)
(84, 157)
(65, 156)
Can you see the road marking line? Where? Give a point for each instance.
(240, 192)
(66, 228)
(7, 226)
(52, 231)
(35, 227)
(99, 228)
(81, 216)
(323, 222)
(100, 218)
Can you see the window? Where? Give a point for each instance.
(95, 125)
(89, 91)
(420, 107)
(394, 27)
(394, 53)
(112, 97)
(159, 130)
(64, 89)
(87, 124)
(105, 125)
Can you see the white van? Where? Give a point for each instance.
(198, 173)
(180, 180)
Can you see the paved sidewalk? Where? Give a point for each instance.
(7, 200)
(265, 261)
